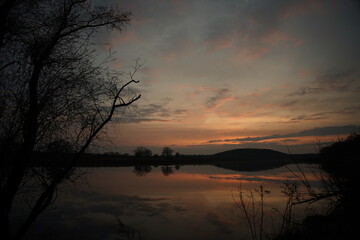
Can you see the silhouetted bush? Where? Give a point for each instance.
(341, 161)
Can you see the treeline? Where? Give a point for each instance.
(121, 160)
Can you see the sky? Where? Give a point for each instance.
(225, 74)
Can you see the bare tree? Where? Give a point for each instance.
(53, 90)
(167, 152)
(142, 152)
(251, 204)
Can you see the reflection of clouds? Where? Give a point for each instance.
(223, 224)
(91, 215)
(274, 179)
(127, 205)
(200, 206)
(250, 179)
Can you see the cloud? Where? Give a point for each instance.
(327, 131)
(299, 8)
(307, 90)
(180, 6)
(154, 112)
(220, 96)
(180, 111)
(321, 131)
(252, 29)
(125, 37)
(339, 81)
(274, 37)
(331, 82)
(327, 114)
(248, 139)
(178, 48)
(311, 117)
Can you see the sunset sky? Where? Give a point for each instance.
(227, 74)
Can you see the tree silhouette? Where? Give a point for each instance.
(54, 94)
(167, 152)
(142, 152)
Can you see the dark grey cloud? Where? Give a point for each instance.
(307, 90)
(220, 95)
(311, 117)
(325, 115)
(180, 111)
(288, 104)
(152, 112)
(341, 81)
(146, 113)
(326, 131)
(321, 131)
(248, 139)
(155, 112)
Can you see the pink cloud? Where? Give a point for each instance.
(302, 8)
(117, 64)
(275, 37)
(151, 75)
(125, 37)
(138, 20)
(252, 53)
(308, 73)
(219, 44)
(180, 6)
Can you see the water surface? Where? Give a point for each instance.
(191, 202)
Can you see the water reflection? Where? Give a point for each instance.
(142, 170)
(127, 232)
(194, 203)
(167, 170)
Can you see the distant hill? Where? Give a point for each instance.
(253, 153)
(252, 159)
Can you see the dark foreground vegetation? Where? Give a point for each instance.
(340, 190)
(55, 90)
